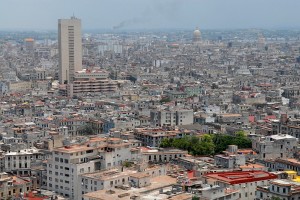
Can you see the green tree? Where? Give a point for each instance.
(275, 198)
(88, 129)
(165, 143)
(208, 144)
(195, 198)
(165, 100)
(127, 164)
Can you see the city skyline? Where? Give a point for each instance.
(133, 14)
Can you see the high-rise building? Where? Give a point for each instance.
(29, 44)
(70, 49)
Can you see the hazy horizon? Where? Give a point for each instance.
(39, 15)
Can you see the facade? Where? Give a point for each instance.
(20, 161)
(64, 167)
(66, 163)
(275, 146)
(87, 82)
(153, 136)
(172, 117)
(20, 86)
(115, 178)
(280, 188)
(13, 186)
(159, 156)
(70, 49)
(217, 193)
(230, 161)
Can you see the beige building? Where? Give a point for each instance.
(115, 178)
(20, 86)
(70, 48)
(13, 186)
(89, 81)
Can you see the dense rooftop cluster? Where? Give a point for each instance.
(172, 115)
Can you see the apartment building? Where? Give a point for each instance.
(245, 182)
(13, 186)
(280, 188)
(230, 161)
(19, 161)
(275, 146)
(161, 155)
(153, 136)
(114, 178)
(67, 163)
(88, 82)
(171, 117)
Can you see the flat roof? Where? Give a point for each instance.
(156, 184)
(252, 166)
(109, 174)
(73, 148)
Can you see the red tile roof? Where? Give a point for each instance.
(238, 177)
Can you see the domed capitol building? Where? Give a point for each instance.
(197, 35)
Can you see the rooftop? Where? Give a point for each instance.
(109, 174)
(116, 194)
(238, 177)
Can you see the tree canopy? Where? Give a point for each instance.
(208, 144)
(88, 129)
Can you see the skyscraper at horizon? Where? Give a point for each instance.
(70, 49)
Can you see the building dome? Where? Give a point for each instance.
(196, 35)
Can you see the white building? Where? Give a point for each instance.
(275, 146)
(70, 48)
(280, 188)
(171, 117)
(20, 161)
(109, 179)
(67, 163)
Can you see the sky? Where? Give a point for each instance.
(151, 14)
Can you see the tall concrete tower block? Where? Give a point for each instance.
(70, 49)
